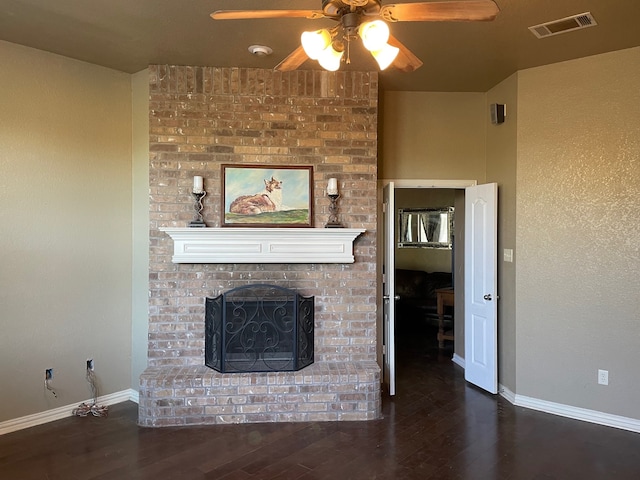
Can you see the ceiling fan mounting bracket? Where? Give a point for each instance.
(351, 22)
(337, 8)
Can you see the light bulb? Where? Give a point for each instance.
(330, 58)
(374, 35)
(315, 42)
(385, 56)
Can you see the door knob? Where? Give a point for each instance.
(487, 296)
(387, 297)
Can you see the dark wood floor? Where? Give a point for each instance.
(437, 427)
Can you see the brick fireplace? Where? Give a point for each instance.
(201, 118)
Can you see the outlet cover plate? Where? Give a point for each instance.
(603, 377)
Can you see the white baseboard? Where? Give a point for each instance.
(568, 411)
(63, 412)
(458, 360)
(507, 394)
(577, 413)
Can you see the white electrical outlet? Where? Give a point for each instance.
(508, 255)
(603, 377)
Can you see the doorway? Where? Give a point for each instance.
(425, 267)
(481, 203)
(420, 271)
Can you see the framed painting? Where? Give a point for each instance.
(267, 196)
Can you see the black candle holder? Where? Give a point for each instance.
(333, 213)
(198, 221)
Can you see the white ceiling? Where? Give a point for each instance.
(128, 35)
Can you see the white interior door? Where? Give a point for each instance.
(388, 290)
(481, 287)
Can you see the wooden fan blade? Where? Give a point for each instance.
(293, 61)
(454, 11)
(406, 61)
(251, 14)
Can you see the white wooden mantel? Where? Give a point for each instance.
(263, 245)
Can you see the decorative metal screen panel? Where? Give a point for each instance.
(259, 328)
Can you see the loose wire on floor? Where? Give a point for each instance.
(94, 409)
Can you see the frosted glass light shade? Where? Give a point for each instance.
(330, 59)
(314, 43)
(385, 56)
(374, 35)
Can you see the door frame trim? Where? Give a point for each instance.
(427, 183)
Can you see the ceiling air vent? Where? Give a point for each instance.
(569, 24)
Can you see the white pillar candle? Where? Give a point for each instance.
(198, 184)
(332, 186)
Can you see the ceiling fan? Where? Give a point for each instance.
(365, 19)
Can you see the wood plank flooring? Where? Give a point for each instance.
(437, 427)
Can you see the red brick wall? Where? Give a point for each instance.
(202, 117)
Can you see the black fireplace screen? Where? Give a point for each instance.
(259, 328)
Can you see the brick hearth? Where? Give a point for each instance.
(327, 391)
(201, 118)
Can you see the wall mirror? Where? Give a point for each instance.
(425, 228)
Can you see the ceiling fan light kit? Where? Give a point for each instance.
(318, 45)
(365, 19)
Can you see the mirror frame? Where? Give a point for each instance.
(404, 214)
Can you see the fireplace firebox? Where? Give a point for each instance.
(259, 328)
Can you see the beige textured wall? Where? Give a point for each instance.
(432, 135)
(578, 231)
(65, 211)
(501, 168)
(140, 212)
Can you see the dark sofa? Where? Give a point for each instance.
(417, 291)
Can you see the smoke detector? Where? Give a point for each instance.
(260, 50)
(569, 24)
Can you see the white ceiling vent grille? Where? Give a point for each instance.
(569, 24)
